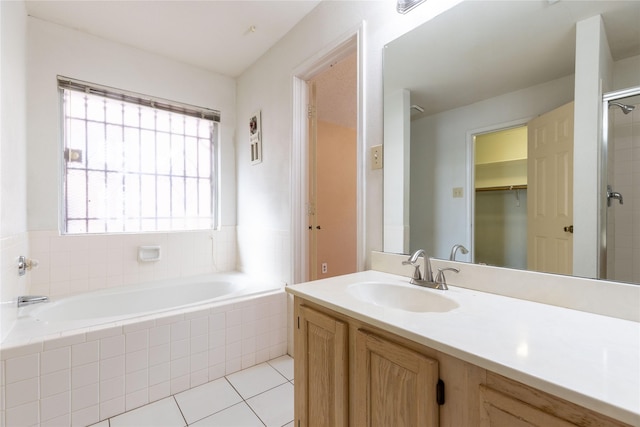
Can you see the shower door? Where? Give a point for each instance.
(621, 190)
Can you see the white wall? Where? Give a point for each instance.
(594, 74)
(264, 208)
(440, 160)
(13, 129)
(57, 50)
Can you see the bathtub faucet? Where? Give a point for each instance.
(31, 299)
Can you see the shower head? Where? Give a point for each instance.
(626, 109)
(417, 108)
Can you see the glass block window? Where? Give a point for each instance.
(132, 164)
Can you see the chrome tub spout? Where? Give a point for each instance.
(31, 299)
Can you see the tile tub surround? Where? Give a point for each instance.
(72, 264)
(84, 377)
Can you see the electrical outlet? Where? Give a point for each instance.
(376, 157)
(457, 192)
(324, 268)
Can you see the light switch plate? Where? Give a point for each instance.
(376, 157)
(458, 192)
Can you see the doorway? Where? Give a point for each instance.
(501, 197)
(332, 170)
(528, 182)
(300, 174)
(621, 240)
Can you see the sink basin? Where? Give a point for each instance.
(407, 298)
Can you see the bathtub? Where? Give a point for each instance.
(128, 303)
(82, 359)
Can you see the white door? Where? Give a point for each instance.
(550, 192)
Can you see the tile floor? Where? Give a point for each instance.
(258, 396)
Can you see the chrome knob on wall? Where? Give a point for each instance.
(25, 264)
(613, 195)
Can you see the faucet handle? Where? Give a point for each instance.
(417, 275)
(440, 276)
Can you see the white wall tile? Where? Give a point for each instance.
(112, 368)
(85, 397)
(159, 335)
(112, 346)
(180, 384)
(159, 391)
(180, 349)
(135, 381)
(24, 415)
(179, 367)
(22, 392)
(111, 408)
(86, 416)
(137, 340)
(55, 406)
(85, 374)
(22, 368)
(84, 353)
(136, 361)
(111, 388)
(159, 354)
(136, 399)
(159, 373)
(55, 383)
(55, 360)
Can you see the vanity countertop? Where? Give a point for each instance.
(588, 359)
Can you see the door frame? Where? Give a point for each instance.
(471, 179)
(604, 174)
(351, 41)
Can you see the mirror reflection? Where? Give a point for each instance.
(502, 135)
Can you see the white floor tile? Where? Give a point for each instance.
(207, 399)
(274, 407)
(163, 413)
(255, 380)
(239, 415)
(284, 365)
(104, 423)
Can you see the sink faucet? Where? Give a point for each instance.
(454, 249)
(426, 279)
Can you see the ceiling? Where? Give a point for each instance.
(482, 49)
(225, 37)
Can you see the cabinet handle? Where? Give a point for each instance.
(569, 229)
(440, 392)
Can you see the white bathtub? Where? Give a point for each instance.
(124, 303)
(83, 359)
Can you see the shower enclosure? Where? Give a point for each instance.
(620, 204)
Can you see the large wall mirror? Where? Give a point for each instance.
(472, 97)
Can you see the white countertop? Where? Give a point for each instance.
(588, 359)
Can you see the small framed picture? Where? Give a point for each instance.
(255, 138)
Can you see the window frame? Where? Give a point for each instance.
(157, 104)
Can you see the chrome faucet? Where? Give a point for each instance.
(454, 249)
(31, 299)
(425, 280)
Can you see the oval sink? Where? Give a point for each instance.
(407, 298)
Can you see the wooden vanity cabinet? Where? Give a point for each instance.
(320, 369)
(348, 372)
(395, 386)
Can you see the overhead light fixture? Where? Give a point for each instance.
(405, 6)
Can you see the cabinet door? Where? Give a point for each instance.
(320, 364)
(500, 410)
(394, 386)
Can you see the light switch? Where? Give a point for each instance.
(376, 157)
(458, 192)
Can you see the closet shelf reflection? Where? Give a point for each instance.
(503, 188)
